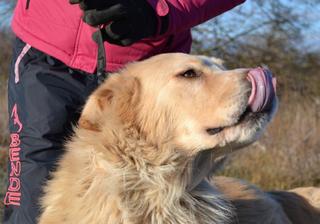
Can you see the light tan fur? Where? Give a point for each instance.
(312, 194)
(142, 148)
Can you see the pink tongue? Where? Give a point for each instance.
(263, 89)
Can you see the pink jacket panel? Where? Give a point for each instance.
(55, 27)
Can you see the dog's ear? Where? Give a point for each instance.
(114, 97)
(93, 109)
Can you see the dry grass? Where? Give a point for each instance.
(3, 112)
(5, 57)
(3, 176)
(3, 141)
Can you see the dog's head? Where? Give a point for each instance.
(190, 101)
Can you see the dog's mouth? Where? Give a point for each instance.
(261, 101)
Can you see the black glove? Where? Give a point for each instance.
(126, 21)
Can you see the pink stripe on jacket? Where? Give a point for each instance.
(55, 27)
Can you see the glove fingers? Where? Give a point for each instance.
(126, 42)
(118, 29)
(74, 1)
(114, 33)
(121, 42)
(118, 33)
(95, 4)
(105, 37)
(97, 17)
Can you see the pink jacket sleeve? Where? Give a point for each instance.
(184, 14)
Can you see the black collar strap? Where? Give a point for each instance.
(101, 60)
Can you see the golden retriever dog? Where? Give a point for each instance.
(312, 194)
(150, 135)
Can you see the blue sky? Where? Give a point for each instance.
(4, 18)
(310, 13)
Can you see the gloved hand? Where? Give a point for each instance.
(124, 21)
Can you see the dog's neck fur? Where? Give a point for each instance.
(152, 189)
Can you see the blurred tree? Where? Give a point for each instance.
(5, 55)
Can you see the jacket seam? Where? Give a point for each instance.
(76, 46)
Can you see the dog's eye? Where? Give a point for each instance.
(190, 74)
(213, 131)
